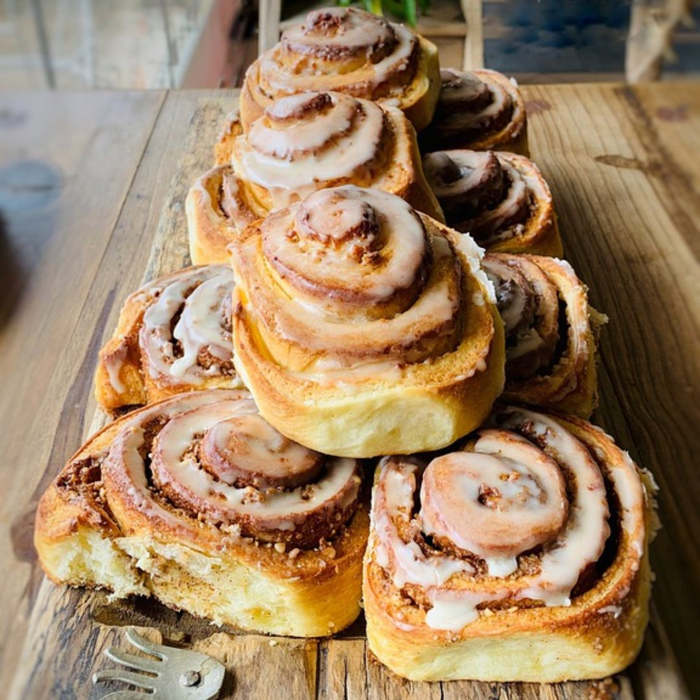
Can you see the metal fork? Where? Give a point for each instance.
(173, 674)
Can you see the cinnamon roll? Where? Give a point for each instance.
(300, 144)
(199, 502)
(173, 335)
(363, 327)
(522, 556)
(218, 207)
(499, 198)
(551, 332)
(481, 110)
(347, 50)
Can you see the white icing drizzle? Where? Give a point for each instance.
(473, 254)
(454, 595)
(113, 364)
(500, 101)
(345, 31)
(511, 203)
(329, 287)
(200, 324)
(614, 610)
(452, 612)
(458, 87)
(173, 464)
(530, 290)
(517, 300)
(204, 298)
(463, 177)
(294, 157)
(282, 133)
(496, 501)
(247, 445)
(282, 70)
(332, 228)
(473, 101)
(124, 464)
(393, 498)
(434, 305)
(583, 538)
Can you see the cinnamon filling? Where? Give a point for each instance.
(247, 451)
(186, 330)
(481, 193)
(305, 140)
(347, 258)
(341, 33)
(490, 504)
(81, 480)
(343, 49)
(296, 107)
(362, 260)
(525, 515)
(81, 472)
(471, 106)
(533, 313)
(464, 89)
(222, 464)
(230, 200)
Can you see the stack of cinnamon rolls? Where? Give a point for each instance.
(375, 381)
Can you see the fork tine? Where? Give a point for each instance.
(115, 674)
(142, 644)
(140, 663)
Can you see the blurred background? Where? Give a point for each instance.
(209, 43)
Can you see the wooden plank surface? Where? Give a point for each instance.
(91, 197)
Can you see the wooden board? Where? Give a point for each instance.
(91, 194)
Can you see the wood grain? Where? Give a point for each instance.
(102, 210)
(626, 235)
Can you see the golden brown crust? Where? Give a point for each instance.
(598, 634)
(399, 380)
(565, 379)
(94, 507)
(448, 130)
(541, 232)
(231, 129)
(404, 71)
(142, 362)
(211, 230)
(500, 198)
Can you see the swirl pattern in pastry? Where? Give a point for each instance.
(199, 500)
(499, 198)
(551, 332)
(348, 50)
(480, 110)
(363, 327)
(173, 335)
(300, 144)
(532, 537)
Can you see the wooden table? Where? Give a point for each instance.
(91, 193)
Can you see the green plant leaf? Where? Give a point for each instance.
(411, 13)
(396, 7)
(406, 10)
